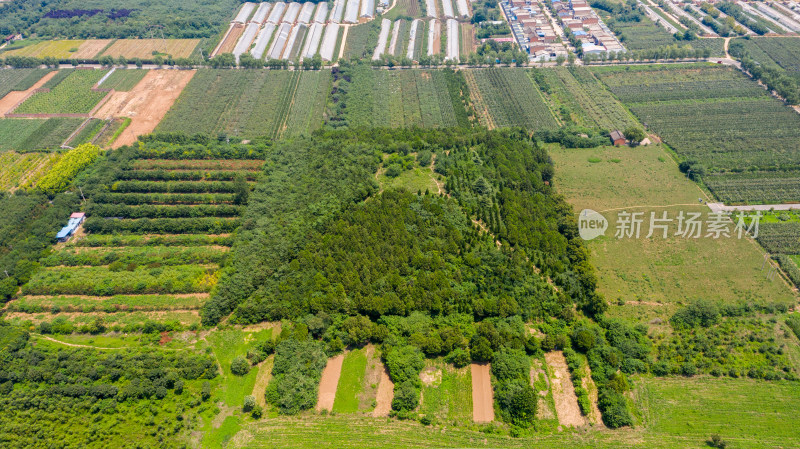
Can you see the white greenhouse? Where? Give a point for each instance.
(338, 11)
(276, 13)
(367, 8)
(430, 6)
(321, 15)
(243, 44)
(312, 41)
(351, 11)
(329, 41)
(447, 9)
(306, 13)
(245, 12)
(452, 40)
(261, 13)
(463, 8)
(263, 40)
(276, 50)
(433, 33)
(412, 39)
(292, 11)
(386, 25)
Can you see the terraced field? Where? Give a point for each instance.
(721, 120)
(250, 103)
(152, 245)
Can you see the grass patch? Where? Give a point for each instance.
(448, 398)
(227, 344)
(350, 382)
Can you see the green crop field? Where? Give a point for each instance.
(351, 382)
(168, 262)
(589, 103)
(73, 95)
(123, 80)
(249, 103)
(19, 170)
(19, 79)
(512, 98)
(781, 51)
(657, 274)
(742, 128)
(35, 134)
(447, 393)
(399, 98)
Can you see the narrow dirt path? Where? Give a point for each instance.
(74, 345)
(567, 410)
(383, 401)
(725, 47)
(596, 417)
(482, 395)
(344, 41)
(262, 380)
(329, 382)
(15, 96)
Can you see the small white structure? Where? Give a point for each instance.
(329, 41)
(261, 13)
(292, 11)
(312, 41)
(452, 40)
(463, 8)
(395, 37)
(276, 13)
(386, 25)
(367, 8)
(351, 11)
(430, 6)
(338, 11)
(447, 9)
(306, 13)
(321, 15)
(433, 33)
(245, 12)
(412, 38)
(263, 40)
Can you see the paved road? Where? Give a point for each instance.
(719, 207)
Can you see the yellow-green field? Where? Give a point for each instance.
(647, 278)
(63, 49)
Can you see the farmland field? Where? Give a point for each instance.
(123, 79)
(589, 102)
(168, 259)
(658, 274)
(63, 49)
(446, 393)
(19, 79)
(781, 51)
(743, 128)
(146, 49)
(35, 134)
(351, 382)
(512, 99)
(23, 169)
(402, 98)
(72, 95)
(249, 103)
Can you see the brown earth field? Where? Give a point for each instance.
(147, 103)
(482, 397)
(329, 382)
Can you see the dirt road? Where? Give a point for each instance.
(147, 103)
(15, 96)
(385, 395)
(569, 414)
(482, 396)
(329, 382)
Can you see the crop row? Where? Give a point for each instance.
(185, 175)
(117, 240)
(142, 255)
(157, 211)
(23, 168)
(173, 187)
(513, 100)
(198, 164)
(64, 170)
(756, 188)
(164, 198)
(35, 134)
(73, 95)
(162, 225)
(102, 281)
(116, 303)
(780, 238)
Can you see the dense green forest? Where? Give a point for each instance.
(95, 399)
(102, 19)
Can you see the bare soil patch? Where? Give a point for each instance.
(15, 96)
(91, 48)
(569, 414)
(329, 382)
(383, 400)
(482, 396)
(588, 384)
(431, 376)
(231, 39)
(262, 380)
(147, 103)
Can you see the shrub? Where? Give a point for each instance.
(510, 364)
(458, 357)
(404, 363)
(240, 366)
(257, 412)
(700, 313)
(249, 403)
(406, 396)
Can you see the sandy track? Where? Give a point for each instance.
(569, 414)
(262, 380)
(147, 103)
(482, 396)
(91, 48)
(230, 41)
(385, 395)
(588, 384)
(15, 96)
(329, 382)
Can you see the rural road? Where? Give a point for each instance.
(719, 207)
